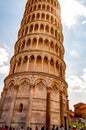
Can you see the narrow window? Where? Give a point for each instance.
(20, 107)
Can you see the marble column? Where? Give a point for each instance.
(29, 111)
(61, 109)
(11, 110)
(48, 109)
(3, 96)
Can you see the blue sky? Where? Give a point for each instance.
(74, 30)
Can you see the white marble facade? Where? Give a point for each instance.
(35, 91)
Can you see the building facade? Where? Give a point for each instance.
(80, 110)
(35, 91)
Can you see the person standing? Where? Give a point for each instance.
(57, 128)
(21, 128)
(42, 128)
(36, 128)
(61, 127)
(53, 127)
(69, 128)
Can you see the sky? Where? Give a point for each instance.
(73, 14)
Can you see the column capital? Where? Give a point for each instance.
(49, 89)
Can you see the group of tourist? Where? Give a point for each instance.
(36, 128)
(45, 128)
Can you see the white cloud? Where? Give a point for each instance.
(84, 75)
(1, 88)
(77, 83)
(4, 70)
(71, 11)
(83, 22)
(4, 55)
(74, 53)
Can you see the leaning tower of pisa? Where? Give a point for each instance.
(35, 91)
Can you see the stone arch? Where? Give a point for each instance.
(52, 20)
(40, 43)
(46, 44)
(47, 28)
(25, 59)
(51, 66)
(41, 85)
(46, 65)
(31, 9)
(47, 17)
(34, 7)
(43, 6)
(24, 87)
(55, 91)
(33, 17)
(55, 88)
(36, 27)
(42, 16)
(48, 7)
(19, 61)
(40, 82)
(40, 96)
(11, 84)
(46, 59)
(52, 30)
(28, 43)
(34, 42)
(22, 32)
(18, 67)
(55, 82)
(42, 27)
(52, 61)
(57, 68)
(52, 10)
(39, 59)
(26, 30)
(28, 18)
(39, 6)
(25, 81)
(38, 16)
(31, 28)
(24, 65)
(10, 88)
(31, 62)
(39, 63)
(23, 45)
